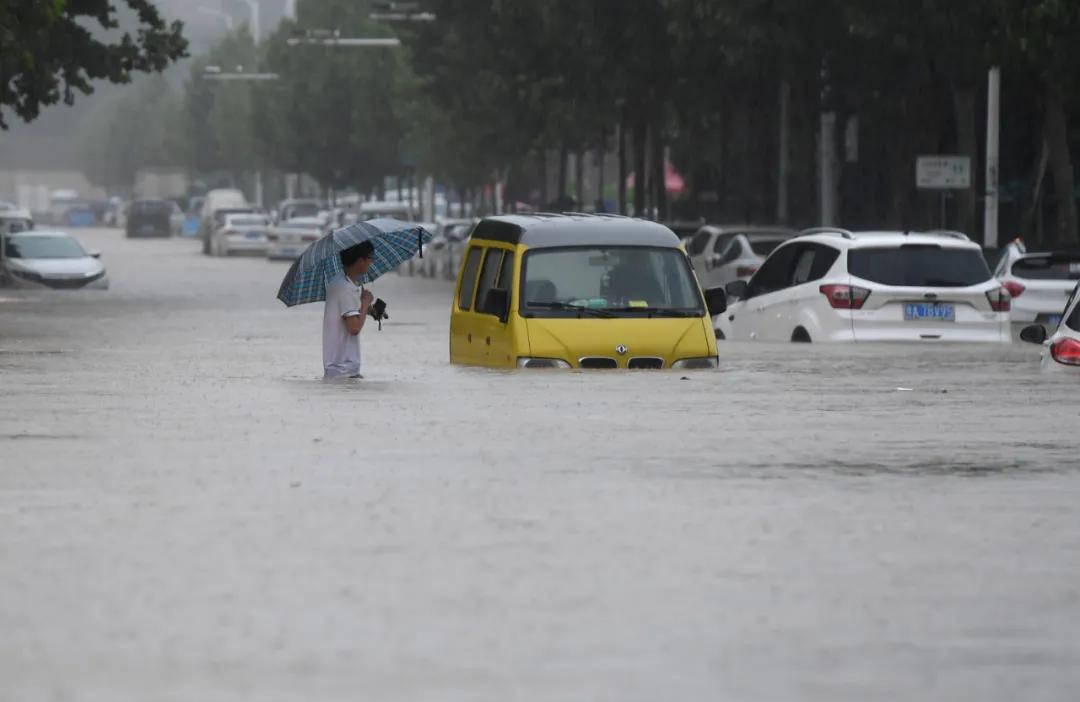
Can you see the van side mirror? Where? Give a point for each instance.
(737, 289)
(497, 303)
(1035, 334)
(716, 301)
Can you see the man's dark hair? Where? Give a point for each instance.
(354, 253)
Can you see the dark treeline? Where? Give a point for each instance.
(519, 92)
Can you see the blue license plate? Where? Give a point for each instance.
(932, 311)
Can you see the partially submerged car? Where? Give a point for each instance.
(49, 259)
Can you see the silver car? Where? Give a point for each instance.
(50, 259)
(443, 255)
(724, 254)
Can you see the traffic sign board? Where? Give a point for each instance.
(943, 172)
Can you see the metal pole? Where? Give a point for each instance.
(993, 157)
(253, 7)
(783, 165)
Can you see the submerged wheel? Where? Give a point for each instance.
(800, 336)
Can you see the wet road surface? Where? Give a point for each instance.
(188, 513)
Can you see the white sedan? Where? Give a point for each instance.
(50, 259)
(1061, 349)
(1039, 283)
(240, 233)
(288, 240)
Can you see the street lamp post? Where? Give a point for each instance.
(225, 17)
(215, 73)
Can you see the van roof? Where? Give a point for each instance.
(548, 230)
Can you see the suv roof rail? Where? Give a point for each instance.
(604, 215)
(949, 233)
(826, 230)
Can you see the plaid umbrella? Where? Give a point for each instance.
(395, 242)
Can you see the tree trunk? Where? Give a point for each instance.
(579, 179)
(563, 157)
(601, 157)
(1057, 139)
(1038, 177)
(659, 173)
(639, 168)
(543, 179)
(967, 143)
(622, 175)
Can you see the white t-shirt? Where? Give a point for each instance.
(341, 350)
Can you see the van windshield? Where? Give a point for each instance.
(624, 280)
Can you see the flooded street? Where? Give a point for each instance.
(188, 512)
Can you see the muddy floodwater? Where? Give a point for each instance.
(187, 512)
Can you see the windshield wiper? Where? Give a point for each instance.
(656, 311)
(580, 309)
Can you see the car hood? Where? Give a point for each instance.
(659, 337)
(57, 267)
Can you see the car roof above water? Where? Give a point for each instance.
(544, 230)
(885, 238)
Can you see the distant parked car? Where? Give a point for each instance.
(442, 257)
(150, 218)
(290, 209)
(832, 285)
(1062, 346)
(50, 259)
(721, 254)
(240, 233)
(288, 240)
(15, 220)
(217, 203)
(1039, 283)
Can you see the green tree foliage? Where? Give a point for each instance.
(132, 130)
(336, 112)
(47, 51)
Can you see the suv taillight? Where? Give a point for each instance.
(1000, 299)
(845, 297)
(1015, 289)
(1066, 351)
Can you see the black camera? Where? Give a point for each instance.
(377, 311)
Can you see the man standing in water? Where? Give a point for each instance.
(345, 312)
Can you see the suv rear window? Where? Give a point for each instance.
(919, 266)
(764, 247)
(1058, 267)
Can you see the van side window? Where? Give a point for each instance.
(492, 263)
(468, 279)
(506, 274)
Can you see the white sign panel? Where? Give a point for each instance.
(943, 172)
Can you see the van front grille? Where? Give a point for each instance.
(597, 363)
(646, 363)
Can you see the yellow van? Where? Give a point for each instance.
(580, 291)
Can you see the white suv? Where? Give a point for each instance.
(1039, 283)
(1062, 349)
(832, 285)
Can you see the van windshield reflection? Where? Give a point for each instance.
(618, 280)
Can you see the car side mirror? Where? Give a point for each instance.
(94, 254)
(716, 301)
(1035, 334)
(497, 303)
(737, 289)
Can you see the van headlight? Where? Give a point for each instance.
(527, 362)
(696, 363)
